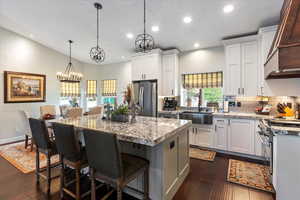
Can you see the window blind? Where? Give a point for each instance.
(69, 89)
(109, 88)
(203, 80)
(91, 88)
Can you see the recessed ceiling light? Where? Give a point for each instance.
(123, 57)
(31, 36)
(129, 35)
(228, 8)
(187, 20)
(155, 28)
(196, 45)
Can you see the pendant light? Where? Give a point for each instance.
(144, 42)
(97, 54)
(69, 75)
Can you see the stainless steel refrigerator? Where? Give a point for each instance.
(145, 93)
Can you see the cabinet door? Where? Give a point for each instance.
(241, 136)
(250, 69)
(137, 71)
(220, 134)
(152, 67)
(233, 69)
(204, 136)
(169, 79)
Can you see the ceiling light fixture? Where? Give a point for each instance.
(97, 54)
(144, 42)
(228, 8)
(129, 35)
(187, 20)
(196, 45)
(69, 75)
(155, 28)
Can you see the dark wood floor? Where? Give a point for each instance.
(206, 181)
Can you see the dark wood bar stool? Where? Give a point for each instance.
(107, 164)
(43, 145)
(71, 155)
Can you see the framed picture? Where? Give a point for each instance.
(24, 87)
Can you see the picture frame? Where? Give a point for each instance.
(20, 87)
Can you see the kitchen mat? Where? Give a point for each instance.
(202, 154)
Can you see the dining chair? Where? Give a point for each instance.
(43, 145)
(74, 112)
(25, 128)
(47, 109)
(108, 165)
(63, 109)
(71, 155)
(97, 110)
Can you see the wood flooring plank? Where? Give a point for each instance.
(259, 195)
(240, 192)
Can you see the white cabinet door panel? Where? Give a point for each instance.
(250, 69)
(204, 136)
(241, 136)
(220, 134)
(233, 69)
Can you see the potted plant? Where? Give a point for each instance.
(120, 114)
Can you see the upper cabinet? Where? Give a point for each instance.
(147, 66)
(170, 73)
(241, 72)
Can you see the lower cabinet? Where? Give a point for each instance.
(201, 135)
(220, 134)
(241, 135)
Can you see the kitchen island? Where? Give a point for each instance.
(164, 142)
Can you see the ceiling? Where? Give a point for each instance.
(53, 22)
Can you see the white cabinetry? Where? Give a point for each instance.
(170, 73)
(201, 135)
(258, 141)
(220, 133)
(241, 135)
(241, 66)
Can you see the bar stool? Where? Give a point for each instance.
(71, 155)
(107, 164)
(43, 145)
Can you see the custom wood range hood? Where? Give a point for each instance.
(284, 57)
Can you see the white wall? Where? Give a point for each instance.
(23, 55)
(119, 71)
(204, 60)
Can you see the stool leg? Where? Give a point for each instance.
(26, 141)
(146, 184)
(119, 192)
(93, 185)
(37, 166)
(77, 183)
(62, 178)
(48, 174)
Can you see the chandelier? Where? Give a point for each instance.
(144, 42)
(97, 54)
(69, 75)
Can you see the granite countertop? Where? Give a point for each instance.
(147, 130)
(239, 115)
(282, 130)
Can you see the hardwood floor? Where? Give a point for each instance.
(206, 181)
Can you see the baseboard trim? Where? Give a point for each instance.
(11, 140)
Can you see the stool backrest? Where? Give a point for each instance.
(74, 113)
(66, 142)
(95, 110)
(47, 109)
(24, 123)
(103, 153)
(39, 133)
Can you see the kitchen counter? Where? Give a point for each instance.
(147, 130)
(238, 115)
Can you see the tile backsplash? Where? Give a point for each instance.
(248, 104)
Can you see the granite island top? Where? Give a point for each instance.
(147, 130)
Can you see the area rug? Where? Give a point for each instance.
(249, 174)
(23, 159)
(202, 154)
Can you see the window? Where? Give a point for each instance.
(202, 89)
(91, 93)
(70, 89)
(69, 92)
(109, 88)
